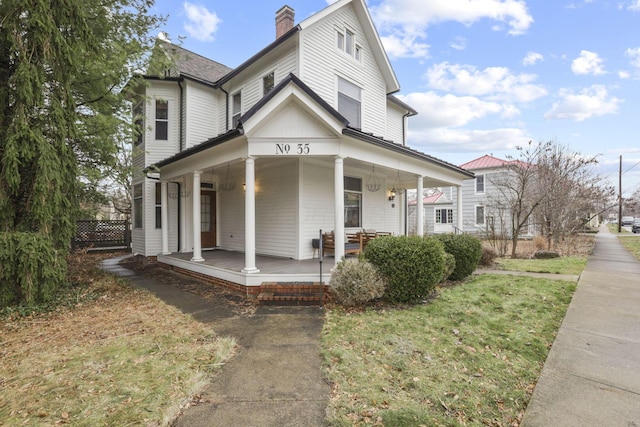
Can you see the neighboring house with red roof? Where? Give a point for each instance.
(255, 160)
(478, 214)
(439, 212)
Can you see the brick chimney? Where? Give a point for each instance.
(284, 20)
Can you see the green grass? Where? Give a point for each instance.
(632, 244)
(613, 228)
(563, 265)
(471, 356)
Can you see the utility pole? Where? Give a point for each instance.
(620, 197)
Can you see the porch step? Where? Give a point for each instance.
(292, 293)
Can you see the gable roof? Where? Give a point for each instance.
(192, 65)
(485, 162)
(371, 33)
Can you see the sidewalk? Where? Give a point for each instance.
(275, 378)
(592, 374)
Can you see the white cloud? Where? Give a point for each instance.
(587, 63)
(532, 58)
(201, 23)
(590, 102)
(495, 83)
(634, 5)
(397, 18)
(624, 74)
(634, 54)
(404, 46)
(467, 140)
(459, 43)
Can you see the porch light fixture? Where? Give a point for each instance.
(373, 182)
(392, 195)
(229, 182)
(397, 187)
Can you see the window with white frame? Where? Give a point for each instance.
(480, 220)
(340, 40)
(158, 205)
(444, 216)
(137, 206)
(350, 102)
(268, 82)
(236, 108)
(162, 119)
(479, 183)
(349, 42)
(352, 201)
(346, 42)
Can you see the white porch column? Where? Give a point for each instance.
(197, 224)
(339, 214)
(459, 205)
(420, 207)
(164, 209)
(250, 217)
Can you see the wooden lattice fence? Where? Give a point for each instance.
(102, 234)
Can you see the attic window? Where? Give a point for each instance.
(340, 39)
(348, 46)
(349, 102)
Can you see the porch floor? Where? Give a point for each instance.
(234, 261)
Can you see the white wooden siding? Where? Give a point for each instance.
(201, 107)
(322, 62)
(395, 123)
(159, 150)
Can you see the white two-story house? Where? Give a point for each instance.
(254, 161)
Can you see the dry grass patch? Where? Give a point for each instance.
(632, 244)
(119, 357)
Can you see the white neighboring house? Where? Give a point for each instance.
(259, 158)
(439, 213)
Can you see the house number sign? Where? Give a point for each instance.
(299, 149)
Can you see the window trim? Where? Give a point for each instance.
(475, 184)
(163, 120)
(342, 95)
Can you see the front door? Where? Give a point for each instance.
(208, 218)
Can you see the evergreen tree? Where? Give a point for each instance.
(63, 65)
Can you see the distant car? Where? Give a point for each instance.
(635, 227)
(627, 220)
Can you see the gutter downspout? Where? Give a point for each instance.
(181, 127)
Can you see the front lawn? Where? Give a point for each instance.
(471, 356)
(562, 265)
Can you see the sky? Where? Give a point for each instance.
(486, 76)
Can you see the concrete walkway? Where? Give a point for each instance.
(275, 378)
(592, 374)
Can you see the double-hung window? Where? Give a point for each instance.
(237, 109)
(350, 102)
(352, 202)
(479, 183)
(162, 119)
(137, 206)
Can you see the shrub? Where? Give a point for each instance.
(466, 249)
(356, 282)
(410, 265)
(31, 269)
(449, 266)
(488, 257)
